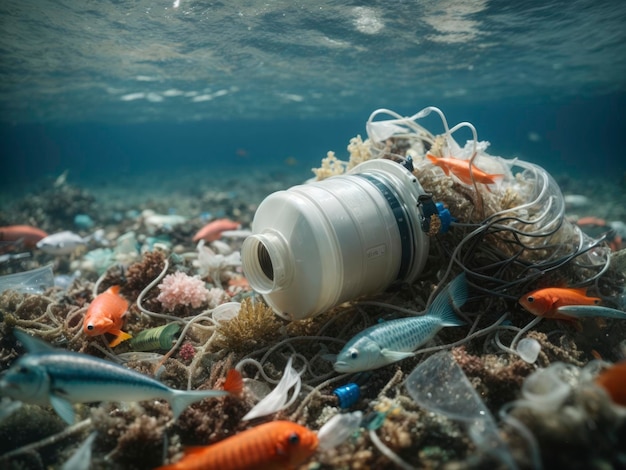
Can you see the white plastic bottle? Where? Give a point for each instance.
(319, 244)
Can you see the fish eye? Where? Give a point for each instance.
(90, 327)
(22, 370)
(293, 438)
(531, 299)
(354, 353)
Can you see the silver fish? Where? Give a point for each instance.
(61, 243)
(49, 376)
(394, 340)
(584, 311)
(66, 242)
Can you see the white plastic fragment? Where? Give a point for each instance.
(546, 389)
(81, 459)
(278, 398)
(379, 131)
(226, 311)
(528, 349)
(337, 429)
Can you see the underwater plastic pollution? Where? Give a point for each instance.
(83, 221)
(347, 395)
(547, 389)
(278, 398)
(439, 385)
(337, 429)
(35, 281)
(81, 459)
(318, 244)
(98, 261)
(157, 338)
(528, 349)
(126, 248)
(226, 311)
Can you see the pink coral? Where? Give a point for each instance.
(187, 352)
(181, 289)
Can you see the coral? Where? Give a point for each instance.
(186, 352)
(359, 151)
(142, 442)
(138, 276)
(180, 289)
(566, 351)
(217, 296)
(331, 166)
(206, 421)
(135, 433)
(254, 327)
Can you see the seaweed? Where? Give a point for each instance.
(254, 327)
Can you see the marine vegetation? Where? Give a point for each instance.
(506, 352)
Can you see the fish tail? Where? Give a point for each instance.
(181, 399)
(452, 297)
(119, 337)
(234, 382)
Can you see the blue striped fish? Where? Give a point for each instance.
(49, 376)
(394, 340)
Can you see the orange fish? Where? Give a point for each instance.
(545, 302)
(29, 235)
(460, 169)
(213, 230)
(106, 315)
(613, 380)
(271, 446)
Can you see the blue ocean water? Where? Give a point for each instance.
(121, 87)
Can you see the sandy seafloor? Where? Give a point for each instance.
(583, 429)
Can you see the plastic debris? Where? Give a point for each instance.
(337, 429)
(438, 384)
(153, 339)
(81, 459)
(528, 349)
(83, 221)
(34, 281)
(375, 420)
(226, 311)
(347, 394)
(278, 398)
(546, 389)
